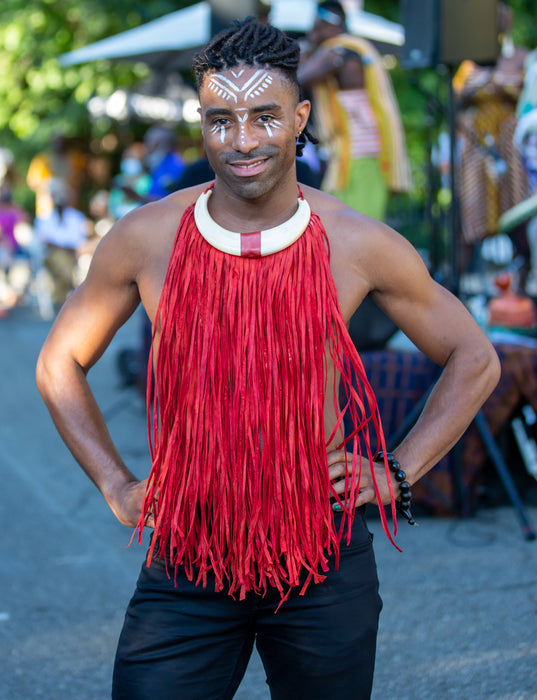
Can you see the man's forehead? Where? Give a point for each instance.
(242, 84)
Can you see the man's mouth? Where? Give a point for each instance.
(248, 167)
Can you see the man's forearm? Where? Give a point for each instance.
(74, 410)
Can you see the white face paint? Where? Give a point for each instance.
(238, 91)
(218, 128)
(250, 118)
(242, 121)
(254, 86)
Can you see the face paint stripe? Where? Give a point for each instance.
(255, 85)
(222, 90)
(251, 79)
(257, 88)
(218, 128)
(228, 84)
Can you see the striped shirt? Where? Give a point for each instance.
(363, 129)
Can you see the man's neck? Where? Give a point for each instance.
(241, 214)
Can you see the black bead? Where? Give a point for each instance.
(403, 504)
(407, 514)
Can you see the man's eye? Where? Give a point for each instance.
(265, 117)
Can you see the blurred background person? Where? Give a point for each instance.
(164, 163)
(356, 115)
(61, 233)
(64, 161)
(11, 216)
(131, 186)
(490, 173)
(99, 222)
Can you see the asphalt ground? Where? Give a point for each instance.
(460, 603)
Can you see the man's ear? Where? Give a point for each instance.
(302, 114)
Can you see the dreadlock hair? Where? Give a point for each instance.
(256, 44)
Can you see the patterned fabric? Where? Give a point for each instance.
(364, 137)
(401, 379)
(491, 177)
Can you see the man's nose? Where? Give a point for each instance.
(244, 137)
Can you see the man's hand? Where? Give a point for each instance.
(127, 504)
(336, 471)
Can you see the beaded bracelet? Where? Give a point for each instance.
(402, 504)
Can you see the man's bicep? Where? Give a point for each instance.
(441, 326)
(433, 318)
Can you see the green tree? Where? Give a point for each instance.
(38, 97)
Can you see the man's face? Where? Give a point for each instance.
(250, 122)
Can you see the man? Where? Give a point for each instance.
(64, 161)
(256, 505)
(357, 116)
(62, 233)
(164, 163)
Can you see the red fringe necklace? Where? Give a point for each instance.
(239, 482)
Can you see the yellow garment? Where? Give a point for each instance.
(69, 167)
(38, 179)
(333, 127)
(487, 187)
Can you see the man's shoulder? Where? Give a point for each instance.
(339, 219)
(357, 241)
(138, 247)
(166, 211)
(153, 226)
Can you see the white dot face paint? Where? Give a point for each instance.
(242, 121)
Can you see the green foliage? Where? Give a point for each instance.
(38, 97)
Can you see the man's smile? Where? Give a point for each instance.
(247, 167)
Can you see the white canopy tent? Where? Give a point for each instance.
(170, 41)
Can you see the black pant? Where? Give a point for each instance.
(190, 643)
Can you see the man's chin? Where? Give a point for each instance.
(249, 187)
